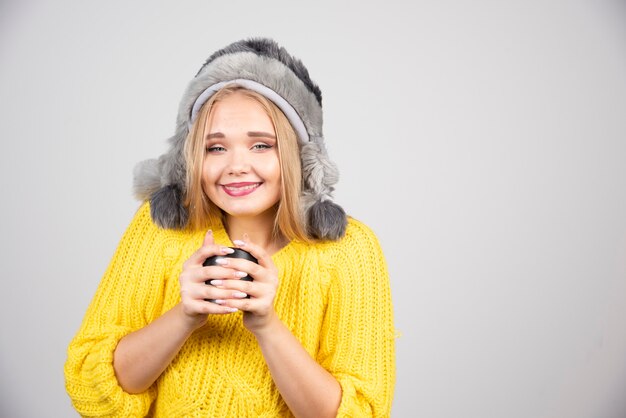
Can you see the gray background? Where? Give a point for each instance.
(483, 141)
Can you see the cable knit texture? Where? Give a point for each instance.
(334, 296)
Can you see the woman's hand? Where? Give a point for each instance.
(259, 308)
(195, 294)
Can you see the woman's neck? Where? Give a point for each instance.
(260, 230)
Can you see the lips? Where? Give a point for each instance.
(240, 189)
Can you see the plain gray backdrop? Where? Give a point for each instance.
(483, 141)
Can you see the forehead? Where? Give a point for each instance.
(239, 111)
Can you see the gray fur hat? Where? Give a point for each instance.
(265, 67)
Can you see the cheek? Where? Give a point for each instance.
(209, 171)
(276, 173)
(275, 177)
(272, 169)
(209, 178)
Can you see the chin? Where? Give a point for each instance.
(250, 212)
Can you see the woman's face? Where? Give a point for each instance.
(241, 171)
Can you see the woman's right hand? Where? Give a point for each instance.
(195, 294)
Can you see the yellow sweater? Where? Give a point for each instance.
(333, 296)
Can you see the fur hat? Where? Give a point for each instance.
(265, 67)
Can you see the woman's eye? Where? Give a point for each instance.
(261, 146)
(215, 148)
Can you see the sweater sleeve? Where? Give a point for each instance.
(358, 338)
(128, 298)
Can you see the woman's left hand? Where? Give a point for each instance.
(259, 308)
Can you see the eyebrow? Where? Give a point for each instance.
(257, 134)
(214, 135)
(252, 134)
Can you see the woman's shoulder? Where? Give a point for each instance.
(144, 236)
(143, 225)
(359, 238)
(358, 230)
(357, 254)
(143, 219)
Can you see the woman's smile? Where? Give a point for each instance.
(241, 188)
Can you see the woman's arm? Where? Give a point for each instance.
(119, 307)
(357, 338)
(141, 356)
(305, 386)
(354, 372)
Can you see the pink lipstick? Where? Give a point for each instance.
(240, 189)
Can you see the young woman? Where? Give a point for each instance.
(311, 335)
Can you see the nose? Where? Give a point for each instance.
(238, 162)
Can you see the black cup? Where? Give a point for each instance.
(238, 253)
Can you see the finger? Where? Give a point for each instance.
(208, 239)
(245, 269)
(258, 252)
(194, 276)
(204, 293)
(204, 252)
(206, 308)
(216, 294)
(242, 267)
(247, 305)
(252, 289)
(206, 273)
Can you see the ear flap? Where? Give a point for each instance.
(146, 179)
(166, 207)
(326, 220)
(162, 181)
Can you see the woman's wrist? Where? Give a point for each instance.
(189, 322)
(271, 327)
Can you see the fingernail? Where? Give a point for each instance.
(239, 295)
(216, 282)
(221, 261)
(218, 301)
(228, 309)
(240, 274)
(227, 250)
(239, 243)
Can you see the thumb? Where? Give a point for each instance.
(208, 238)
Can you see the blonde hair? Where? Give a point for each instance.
(289, 220)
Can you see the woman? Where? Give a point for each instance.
(311, 335)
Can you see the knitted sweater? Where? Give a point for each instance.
(333, 296)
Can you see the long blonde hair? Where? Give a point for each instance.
(289, 220)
